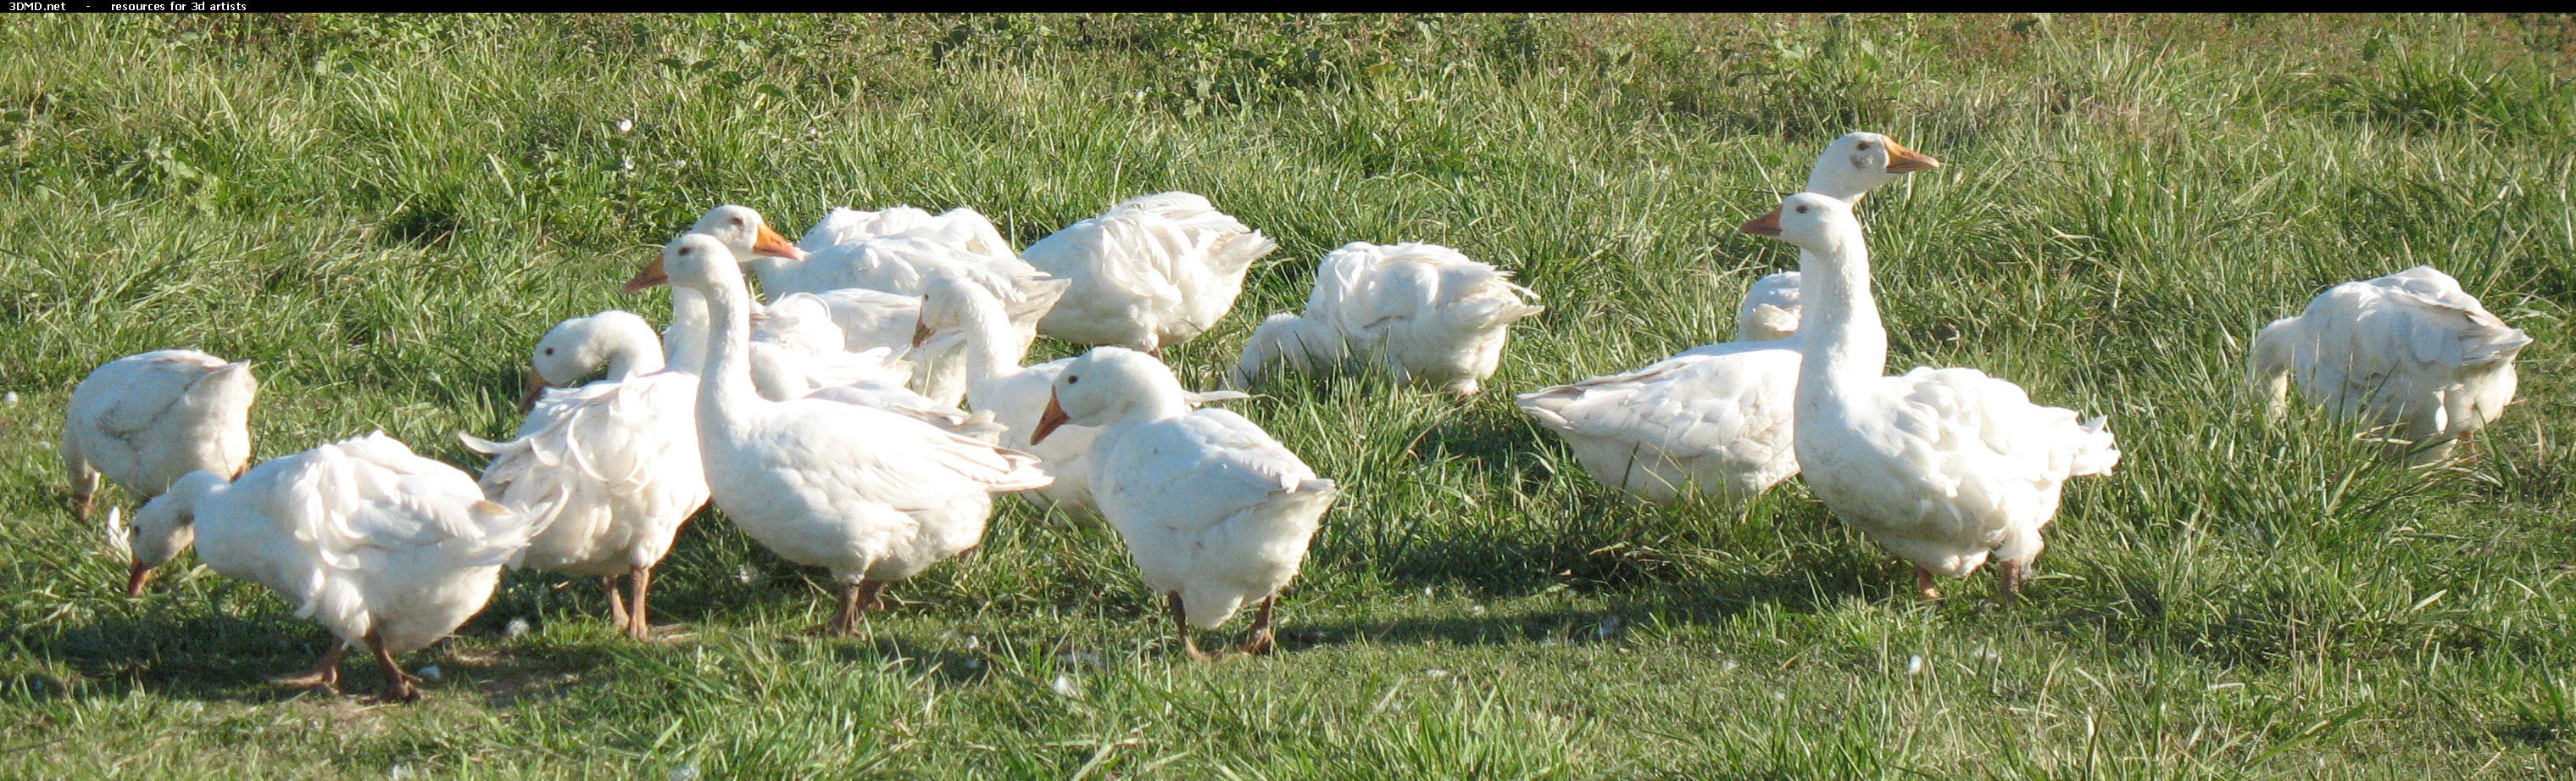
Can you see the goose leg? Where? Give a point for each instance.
(1181, 621)
(401, 689)
(1263, 639)
(85, 492)
(324, 676)
(2010, 574)
(639, 624)
(856, 599)
(1923, 584)
(616, 604)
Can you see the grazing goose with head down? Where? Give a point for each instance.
(2409, 353)
(143, 420)
(1154, 271)
(1418, 312)
(382, 546)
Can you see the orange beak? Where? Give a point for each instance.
(1765, 225)
(1901, 160)
(770, 243)
(534, 390)
(921, 332)
(136, 580)
(1048, 421)
(651, 275)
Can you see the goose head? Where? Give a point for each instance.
(1107, 384)
(1817, 223)
(744, 232)
(1860, 162)
(694, 261)
(951, 302)
(579, 347)
(164, 527)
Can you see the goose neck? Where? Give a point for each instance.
(1839, 329)
(726, 382)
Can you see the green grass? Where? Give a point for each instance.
(385, 212)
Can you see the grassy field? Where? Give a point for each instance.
(385, 213)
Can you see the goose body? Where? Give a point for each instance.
(872, 495)
(606, 473)
(1014, 395)
(1418, 312)
(143, 420)
(1215, 512)
(1947, 468)
(1717, 418)
(2410, 353)
(377, 544)
(1151, 272)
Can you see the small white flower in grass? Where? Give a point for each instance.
(1914, 665)
(626, 164)
(746, 573)
(1475, 610)
(1727, 666)
(1436, 673)
(679, 164)
(625, 125)
(10, 398)
(687, 771)
(517, 628)
(1064, 688)
(431, 673)
(400, 772)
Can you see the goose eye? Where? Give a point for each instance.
(1802, 210)
(550, 351)
(684, 250)
(1072, 380)
(1864, 146)
(738, 220)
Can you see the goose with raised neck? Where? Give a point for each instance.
(872, 495)
(1719, 418)
(1947, 468)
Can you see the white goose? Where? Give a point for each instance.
(1419, 312)
(1154, 271)
(1017, 395)
(382, 546)
(1716, 418)
(143, 420)
(890, 253)
(606, 473)
(2410, 353)
(872, 495)
(1945, 467)
(785, 366)
(617, 342)
(1215, 512)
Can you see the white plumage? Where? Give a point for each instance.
(1216, 513)
(872, 495)
(1717, 418)
(1419, 312)
(2410, 353)
(1770, 309)
(606, 473)
(1154, 271)
(379, 545)
(1944, 467)
(1014, 395)
(143, 420)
